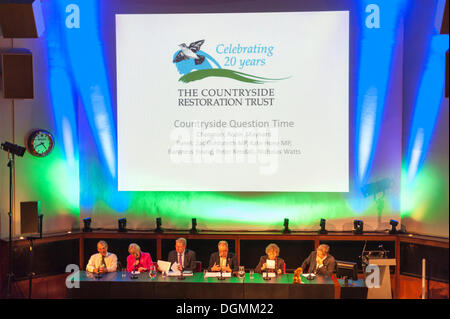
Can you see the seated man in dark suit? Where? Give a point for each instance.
(184, 257)
(320, 262)
(223, 260)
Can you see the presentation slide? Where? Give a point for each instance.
(233, 102)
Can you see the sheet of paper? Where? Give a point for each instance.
(175, 267)
(270, 264)
(164, 265)
(306, 275)
(217, 274)
(271, 274)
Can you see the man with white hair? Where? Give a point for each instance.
(320, 262)
(103, 261)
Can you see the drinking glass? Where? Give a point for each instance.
(152, 272)
(241, 271)
(252, 274)
(124, 273)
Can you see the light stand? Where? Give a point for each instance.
(10, 250)
(12, 150)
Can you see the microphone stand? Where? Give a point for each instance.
(181, 277)
(363, 258)
(221, 277)
(133, 274)
(310, 276)
(267, 272)
(98, 275)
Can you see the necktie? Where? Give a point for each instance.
(180, 262)
(103, 261)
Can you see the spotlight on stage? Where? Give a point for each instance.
(394, 225)
(158, 228)
(358, 226)
(286, 229)
(122, 225)
(194, 226)
(13, 148)
(87, 224)
(322, 229)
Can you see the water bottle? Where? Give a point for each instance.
(152, 272)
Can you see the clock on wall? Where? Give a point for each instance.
(40, 143)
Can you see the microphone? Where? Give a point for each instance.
(136, 264)
(311, 270)
(384, 250)
(276, 263)
(267, 272)
(221, 277)
(363, 258)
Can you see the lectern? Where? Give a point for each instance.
(384, 291)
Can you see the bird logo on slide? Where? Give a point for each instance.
(190, 52)
(194, 64)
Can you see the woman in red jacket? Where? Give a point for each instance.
(138, 260)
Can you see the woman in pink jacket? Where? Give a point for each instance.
(138, 260)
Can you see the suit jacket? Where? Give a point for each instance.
(310, 265)
(189, 259)
(231, 261)
(279, 264)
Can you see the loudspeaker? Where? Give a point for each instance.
(29, 220)
(17, 74)
(22, 19)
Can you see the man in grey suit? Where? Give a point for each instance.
(223, 260)
(183, 257)
(320, 262)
